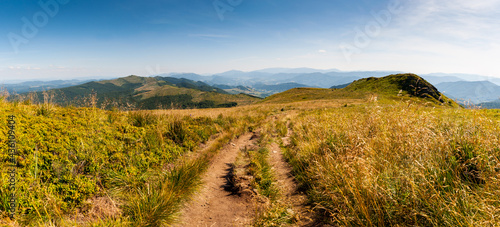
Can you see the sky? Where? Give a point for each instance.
(66, 39)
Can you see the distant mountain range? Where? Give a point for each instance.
(143, 93)
(35, 86)
(314, 77)
(490, 105)
(471, 91)
(307, 78)
(265, 82)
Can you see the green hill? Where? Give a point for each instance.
(186, 83)
(402, 84)
(308, 94)
(144, 93)
(398, 86)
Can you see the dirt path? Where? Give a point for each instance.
(289, 186)
(283, 169)
(216, 204)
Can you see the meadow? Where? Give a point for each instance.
(398, 164)
(360, 162)
(78, 166)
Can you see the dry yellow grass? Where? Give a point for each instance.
(399, 165)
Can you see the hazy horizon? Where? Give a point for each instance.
(286, 70)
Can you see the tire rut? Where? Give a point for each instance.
(218, 203)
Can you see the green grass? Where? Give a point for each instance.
(275, 211)
(263, 174)
(308, 94)
(67, 156)
(400, 85)
(156, 201)
(407, 87)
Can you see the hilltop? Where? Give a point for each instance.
(397, 86)
(143, 93)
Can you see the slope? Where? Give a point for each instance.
(308, 94)
(392, 87)
(144, 93)
(401, 85)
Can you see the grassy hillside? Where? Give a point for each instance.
(80, 165)
(400, 85)
(393, 87)
(308, 94)
(142, 93)
(398, 165)
(186, 83)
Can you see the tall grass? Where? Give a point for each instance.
(399, 165)
(83, 151)
(155, 198)
(155, 201)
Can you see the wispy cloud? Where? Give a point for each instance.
(29, 67)
(454, 20)
(210, 36)
(447, 35)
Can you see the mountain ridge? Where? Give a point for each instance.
(471, 91)
(145, 93)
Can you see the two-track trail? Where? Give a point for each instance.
(288, 184)
(215, 205)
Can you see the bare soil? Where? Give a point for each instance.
(289, 186)
(219, 202)
(304, 213)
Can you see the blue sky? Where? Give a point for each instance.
(90, 38)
